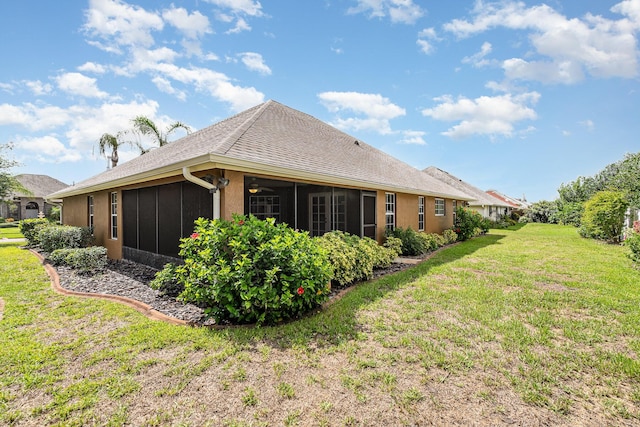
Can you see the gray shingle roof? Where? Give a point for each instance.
(38, 185)
(278, 138)
(481, 198)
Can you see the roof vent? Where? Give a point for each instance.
(356, 142)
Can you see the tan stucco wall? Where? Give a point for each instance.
(76, 212)
(437, 224)
(232, 196)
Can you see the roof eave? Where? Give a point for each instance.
(215, 161)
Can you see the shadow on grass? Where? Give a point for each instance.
(338, 322)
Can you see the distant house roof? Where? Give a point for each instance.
(481, 198)
(273, 139)
(39, 185)
(516, 203)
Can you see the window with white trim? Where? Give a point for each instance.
(420, 213)
(263, 207)
(90, 212)
(455, 207)
(440, 211)
(114, 215)
(390, 211)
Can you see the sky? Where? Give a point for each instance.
(516, 96)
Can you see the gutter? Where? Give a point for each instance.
(213, 189)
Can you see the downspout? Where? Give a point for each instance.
(211, 187)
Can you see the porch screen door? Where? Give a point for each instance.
(368, 215)
(320, 213)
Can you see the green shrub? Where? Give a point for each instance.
(247, 270)
(633, 243)
(354, 258)
(30, 228)
(603, 216)
(54, 215)
(412, 242)
(55, 237)
(84, 260)
(450, 236)
(166, 281)
(2, 220)
(468, 222)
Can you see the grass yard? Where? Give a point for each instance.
(534, 326)
(10, 231)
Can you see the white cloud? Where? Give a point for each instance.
(399, 11)
(33, 117)
(120, 24)
(478, 59)
(246, 7)
(241, 25)
(485, 115)
(193, 26)
(92, 67)
(415, 137)
(37, 87)
(588, 124)
(165, 86)
(254, 62)
(568, 49)
(376, 110)
(79, 84)
(425, 39)
(48, 149)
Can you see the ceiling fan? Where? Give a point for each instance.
(254, 188)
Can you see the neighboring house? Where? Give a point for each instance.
(518, 204)
(22, 205)
(485, 204)
(269, 161)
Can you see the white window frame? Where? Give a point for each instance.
(90, 207)
(390, 211)
(420, 213)
(114, 215)
(440, 207)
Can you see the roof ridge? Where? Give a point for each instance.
(227, 143)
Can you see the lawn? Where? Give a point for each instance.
(10, 231)
(534, 326)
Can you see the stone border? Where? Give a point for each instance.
(141, 307)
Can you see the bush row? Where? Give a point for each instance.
(354, 258)
(84, 260)
(66, 245)
(415, 243)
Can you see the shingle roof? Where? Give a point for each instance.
(38, 185)
(278, 138)
(481, 198)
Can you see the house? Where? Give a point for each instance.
(24, 205)
(269, 161)
(518, 204)
(488, 206)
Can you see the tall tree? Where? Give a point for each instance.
(111, 142)
(146, 127)
(8, 183)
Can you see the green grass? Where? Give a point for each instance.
(529, 322)
(10, 231)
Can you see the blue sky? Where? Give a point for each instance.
(518, 96)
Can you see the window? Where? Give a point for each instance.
(263, 207)
(90, 209)
(390, 215)
(420, 213)
(455, 207)
(440, 207)
(114, 215)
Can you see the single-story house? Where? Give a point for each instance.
(269, 161)
(518, 204)
(485, 204)
(24, 205)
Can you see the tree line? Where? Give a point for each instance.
(596, 204)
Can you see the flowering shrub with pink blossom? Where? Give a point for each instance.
(251, 271)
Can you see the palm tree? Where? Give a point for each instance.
(145, 126)
(108, 141)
